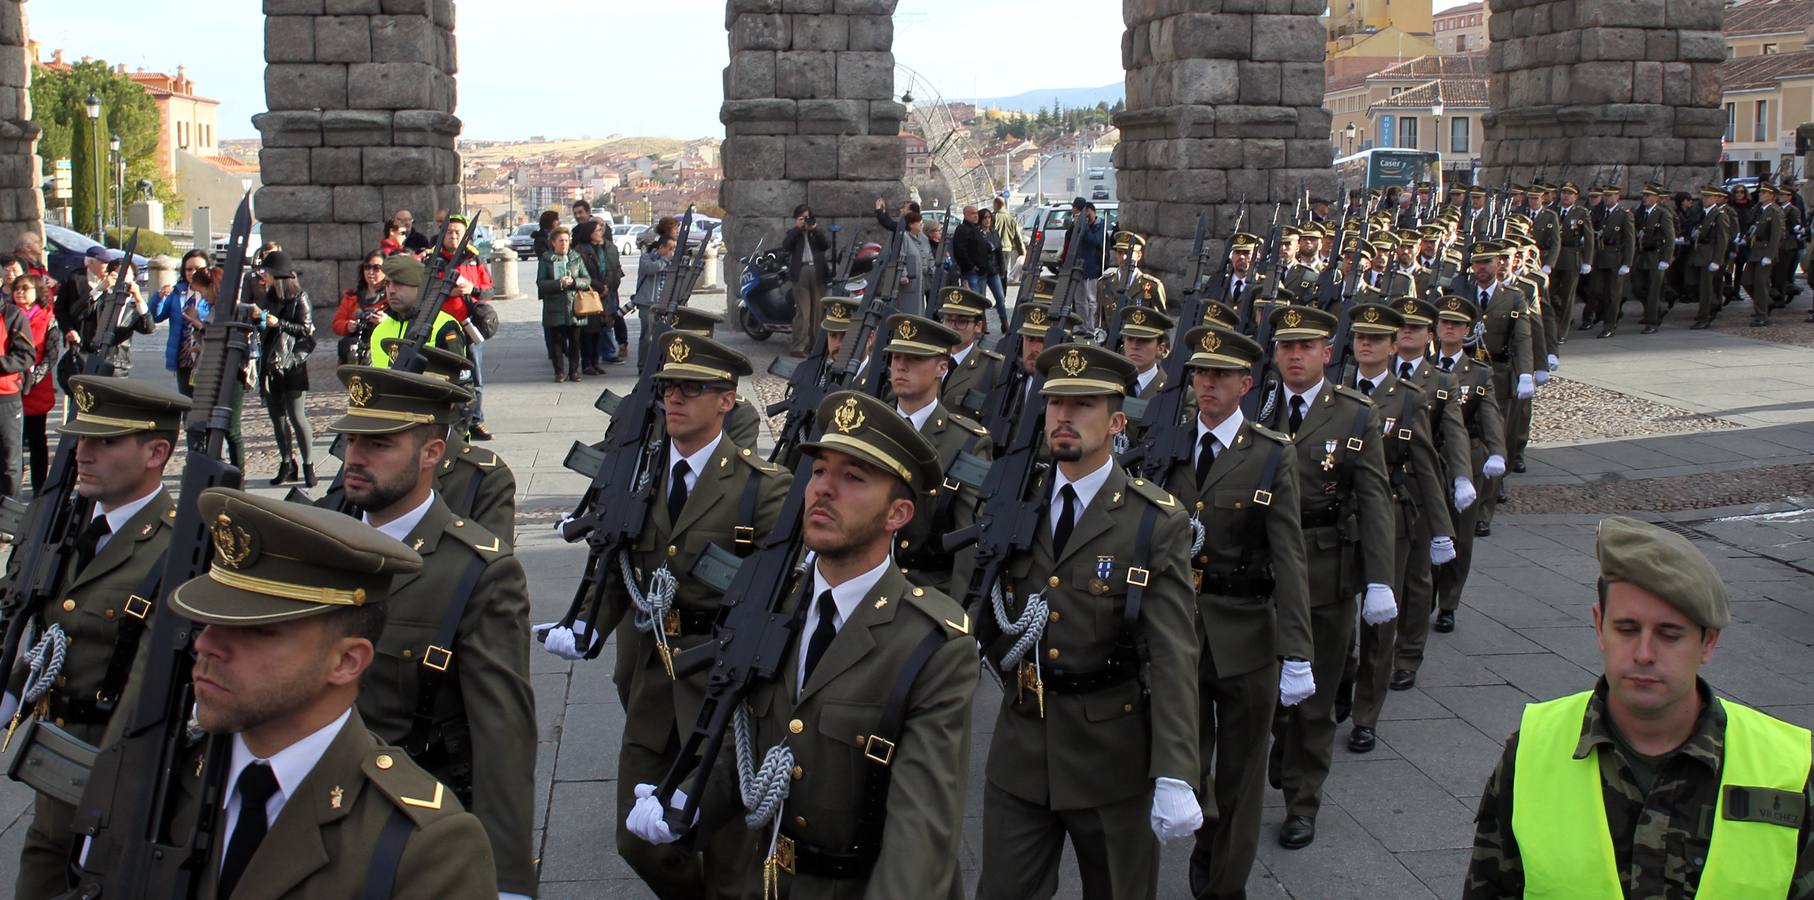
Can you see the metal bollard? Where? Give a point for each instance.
(708, 280)
(162, 273)
(503, 273)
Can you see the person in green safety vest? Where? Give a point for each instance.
(404, 275)
(1648, 786)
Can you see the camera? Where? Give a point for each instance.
(811, 220)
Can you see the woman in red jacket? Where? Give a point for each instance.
(39, 389)
(360, 308)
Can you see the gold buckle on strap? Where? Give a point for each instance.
(437, 657)
(137, 607)
(886, 754)
(1262, 498)
(1138, 577)
(784, 854)
(744, 535)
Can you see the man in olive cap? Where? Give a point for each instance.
(972, 365)
(1126, 284)
(451, 682)
(744, 424)
(1764, 240)
(403, 279)
(476, 483)
(1656, 230)
(1712, 243)
(1648, 785)
(295, 605)
(1469, 383)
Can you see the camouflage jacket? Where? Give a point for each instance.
(1660, 840)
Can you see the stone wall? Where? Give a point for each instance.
(361, 124)
(21, 201)
(1224, 104)
(809, 117)
(1581, 86)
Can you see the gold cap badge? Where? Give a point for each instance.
(359, 391)
(849, 417)
(1211, 342)
(84, 399)
(907, 331)
(1073, 363)
(1370, 315)
(678, 351)
(1293, 318)
(231, 543)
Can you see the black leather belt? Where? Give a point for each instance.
(1505, 357)
(70, 711)
(689, 622)
(1119, 670)
(1233, 585)
(1322, 518)
(823, 863)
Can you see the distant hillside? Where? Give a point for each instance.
(1070, 98)
(655, 147)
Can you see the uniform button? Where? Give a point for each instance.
(1052, 616)
(69, 606)
(673, 550)
(904, 545)
(1052, 653)
(459, 523)
(384, 761)
(796, 726)
(1052, 582)
(1127, 707)
(407, 652)
(799, 773)
(799, 821)
(919, 592)
(107, 613)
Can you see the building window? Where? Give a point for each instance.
(1459, 141)
(1731, 121)
(1407, 132)
(182, 135)
(1758, 123)
(1770, 49)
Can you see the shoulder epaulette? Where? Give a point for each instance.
(478, 537)
(1153, 493)
(758, 463)
(1343, 390)
(992, 354)
(480, 457)
(1269, 434)
(967, 423)
(941, 609)
(413, 790)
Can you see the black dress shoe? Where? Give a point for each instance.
(1297, 832)
(1607, 332)
(1702, 324)
(1649, 329)
(1445, 621)
(1403, 680)
(1482, 529)
(1586, 325)
(1362, 739)
(1518, 466)
(1344, 700)
(1503, 497)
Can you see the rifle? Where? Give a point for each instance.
(872, 316)
(45, 541)
(438, 285)
(947, 269)
(1121, 300)
(1269, 275)
(126, 807)
(998, 404)
(1165, 410)
(1343, 349)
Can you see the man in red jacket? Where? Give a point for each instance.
(473, 286)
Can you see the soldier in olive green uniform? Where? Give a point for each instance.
(1346, 513)
(1711, 239)
(1469, 384)
(1656, 248)
(450, 682)
(1546, 233)
(1766, 238)
(125, 431)
(1252, 593)
(1648, 785)
(475, 483)
(1137, 287)
(918, 350)
(1145, 340)
(1788, 253)
(1615, 247)
(341, 792)
(1095, 740)
(972, 366)
(744, 425)
(708, 491)
(1305, 270)
(1575, 248)
(1506, 345)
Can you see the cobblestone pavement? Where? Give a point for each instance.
(1397, 822)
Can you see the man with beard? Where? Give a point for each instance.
(876, 658)
(124, 432)
(451, 674)
(294, 607)
(476, 483)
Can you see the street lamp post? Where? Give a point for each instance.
(93, 107)
(1349, 133)
(1436, 116)
(119, 183)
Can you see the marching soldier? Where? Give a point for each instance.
(918, 358)
(1476, 220)
(475, 483)
(1546, 233)
(1615, 247)
(1423, 528)
(875, 656)
(1711, 240)
(1306, 269)
(1145, 340)
(744, 425)
(1648, 785)
(1469, 384)
(1656, 248)
(1765, 240)
(1252, 597)
(313, 801)
(450, 681)
(1506, 345)
(1574, 258)
(1139, 288)
(836, 323)
(125, 431)
(972, 365)
(1243, 276)
(1788, 255)
(1346, 514)
(709, 491)
(1097, 735)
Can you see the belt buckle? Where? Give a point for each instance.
(885, 757)
(1262, 498)
(137, 607)
(1355, 444)
(784, 854)
(1143, 575)
(952, 485)
(437, 657)
(670, 623)
(1196, 580)
(743, 535)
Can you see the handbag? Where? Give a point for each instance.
(483, 317)
(587, 303)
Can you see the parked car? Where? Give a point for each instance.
(67, 249)
(219, 254)
(1055, 221)
(626, 237)
(1098, 173)
(1100, 193)
(522, 240)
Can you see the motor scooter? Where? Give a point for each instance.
(765, 300)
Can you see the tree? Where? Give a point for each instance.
(58, 100)
(82, 176)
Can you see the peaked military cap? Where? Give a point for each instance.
(1569, 187)
(690, 357)
(405, 269)
(1458, 188)
(1039, 319)
(919, 336)
(959, 301)
(1215, 347)
(1430, 233)
(1244, 241)
(1665, 564)
(443, 364)
(1651, 187)
(1514, 189)
(837, 314)
(1127, 240)
(1145, 322)
(1302, 323)
(276, 561)
(1083, 370)
(1375, 318)
(1415, 311)
(109, 407)
(1477, 191)
(386, 401)
(1765, 187)
(1714, 190)
(1216, 312)
(1487, 250)
(859, 425)
(1456, 308)
(695, 321)
(1423, 187)
(1611, 191)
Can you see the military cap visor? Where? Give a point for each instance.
(837, 314)
(1415, 311)
(1083, 370)
(1215, 347)
(691, 357)
(697, 321)
(1302, 323)
(1665, 564)
(1141, 322)
(1038, 321)
(276, 561)
(1126, 240)
(387, 401)
(1244, 241)
(918, 336)
(1456, 308)
(1375, 318)
(1713, 190)
(109, 407)
(957, 301)
(863, 427)
(1218, 313)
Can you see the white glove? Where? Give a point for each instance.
(564, 642)
(1662, 267)
(560, 527)
(1494, 466)
(1587, 268)
(1713, 267)
(1526, 389)
(1546, 270)
(8, 705)
(1624, 270)
(1554, 361)
(645, 819)
(1765, 261)
(1175, 810)
(1442, 550)
(1464, 494)
(1380, 606)
(1296, 684)
(1541, 376)
(1681, 241)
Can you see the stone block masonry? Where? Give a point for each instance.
(1581, 88)
(360, 124)
(21, 200)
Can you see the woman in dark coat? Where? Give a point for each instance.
(286, 336)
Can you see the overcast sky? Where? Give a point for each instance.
(658, 65)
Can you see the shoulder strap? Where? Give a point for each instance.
(1136, 590)
(437, 659)
(1269, 475)
(1357, 439)
(472, 490)
(743, 536)
(880, 747)
(387, 856)
(137, 609)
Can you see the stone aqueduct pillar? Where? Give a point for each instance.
(361, 124)
(1581, 86)
(21, 201)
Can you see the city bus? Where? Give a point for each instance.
(1383, 167)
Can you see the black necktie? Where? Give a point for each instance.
(1366, 386)
(1240, 284)
(1067, 519)
(1206, 457)
(1485, 295)
(677, 491)
(1404, 370)
(256, 785)
(89, 541)
(1448, 365)
(1296, 420)
(822, 634)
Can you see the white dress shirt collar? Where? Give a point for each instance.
(958, 356)
(119, 516)
(845, 598)
(1145, 378)
(1086, 487)
(400, 527)
(919, 416)
(1310, 394)
(1225, 433)
(696, 462)
(290, 765)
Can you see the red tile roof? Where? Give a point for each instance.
(1455, 92)
(1769, 17)
(1751, 72)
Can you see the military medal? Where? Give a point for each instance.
(1329, 456)
(1029, 679)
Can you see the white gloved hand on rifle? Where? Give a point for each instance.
(565, 642)
(1380, 606)
(1176, 812)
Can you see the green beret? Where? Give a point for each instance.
(1665, 564)
(405, 269)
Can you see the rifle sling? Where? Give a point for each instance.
(746, 518)
(387, 856)
(135, 615)
(1269, 475)
(437, 662)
